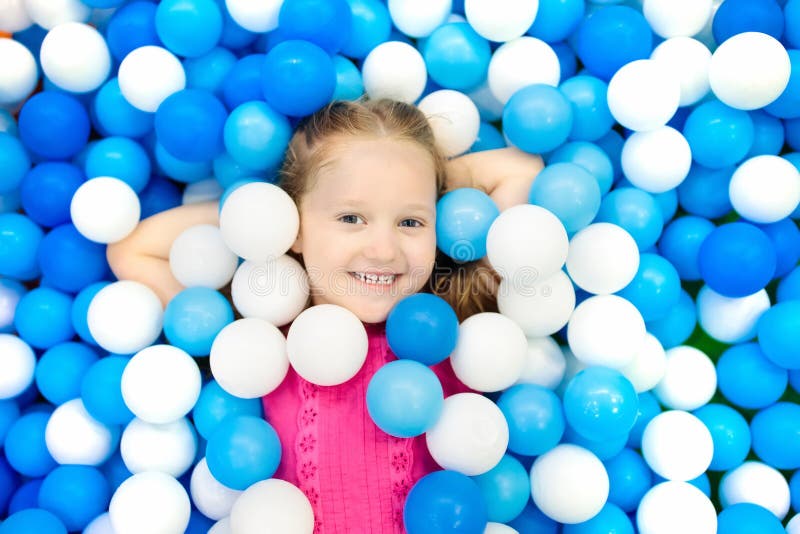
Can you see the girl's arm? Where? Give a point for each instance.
(143, 256)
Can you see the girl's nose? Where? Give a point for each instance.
(382, 246)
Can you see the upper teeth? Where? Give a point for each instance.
(382, 279)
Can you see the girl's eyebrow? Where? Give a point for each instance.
(358, 204)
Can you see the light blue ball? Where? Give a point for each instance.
(655, 289)
(457, 57)
(570, 192)
(718, 135)
(189, 125)
(745, 517)
(557, 19)
(537, 118)
(422, 327)
(349, 85)
(506, 489)
(113, 115)
(463, 219)
(589, 156)
(325, 23)
(20, 238)
(648, 408)
(602, 448)
(209, 71)
(675, 328)
(489, 138)
(181, 170)
(189, 28)
(256, 136)
(14, 161)
(704, 191)
(76, 494)
(636, 211)
(215, 404)
(243, 450)
(535, 418)
(611, 518)
(747, 378)
(629, 479)
(101, 391)
(611, 37)
(80, 309)
(298, 78)
(371, 26)
(44, 318)
(768, 135)
(242, 83)
(25, 447)
(730, 434)
(592, 118)
(776, 435)
(60, 371)
(32, 520)
(194, 317)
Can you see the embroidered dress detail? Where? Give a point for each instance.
(307, 450)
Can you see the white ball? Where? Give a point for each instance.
(545, 363)
(394, 70)
(161, 384)
(169, 448)
(208, 190)
(526, 242)
(730, 320)
(19, 69)
(643, 95)
(258, 17)
(499, 528)
(75, 57)
(749, 70)
(211, 498)
(690, 379)
(572, 366)
(50, 13)
(521, 62)
(248, 358)
(756, 483)
(793, 526)
(105, 210)
(677, 445)
(603, 258)
(259, 221)
(470, 436)
(489, 107)
(454, 119)
(656, 513)
(648, 366)
(327, 345)
(275, 291)
(490, 352)
(606, 330)
(200, 257)
(149, 502)
(677, 18)
(75, 437)
(17, 366)
(14, 16)
(540, 309)
(148, 75)
(124, 317)
(569, 484)
(688, 61)
(272, 505)
(656, 160)
(100, 525)
(765, 189)
(500, 20)
(223, 526)
(418, 18)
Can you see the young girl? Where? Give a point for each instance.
(366, 178)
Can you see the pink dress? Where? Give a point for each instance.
(355, 475)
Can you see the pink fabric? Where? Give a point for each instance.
(355, 475)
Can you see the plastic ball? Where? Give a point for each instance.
(610, 518)
(643, 95)
(505, 489)
(787, 106)
(10, 293)
(168, 448)
(612, 37)
(454, 119)
(20, 240)
(569, 484)
(749, 70)
(15, 161)
(539, 307)
(394, 70)
(718, 135)
(689, 60)
(60, 371)
(775, 334)
(537, 118)
(756, 483)
(189, 125)
(130, 27)
(149, 502)
(501, 21)
(556, 19)
(48, 15)
(677, 445)
(99, 525)
(420, 18)
(76, 494)
(590, 263)
(606, 330)
(15, 17)
(591, 117)
(649, 363)
(215, 404)
(742, 16)
(775, 435)
(211, 498)
(299, 78)
(444, 501)
(769, 135)
(75, 57)
(471, 435)
(243, 450)
(680, 244)
(570, 192)
(603, 449)
(690, 379)
(526, 242)
(43, 318)
(32, 520)
(25, 446)
(275, 291)
(655, 288)
(69, 261)
(199, 257)
(422, 327)
(120, 158)
(256, 136)
(125, 317)
(273, 504)
(730, 320)
(18, 366)
(588, 156)
(465, 216)
(194, 317)
(535, 418)
(189, 28)
(20, 70)
(73, 436)
(261, 17)
(519, 63)
(656, 512)
(102, 393)
(349, 85)
(456, 56)
(629, 479)
(53, 125)
(765, 189)
(114, 115)
(326, 24)
(730, 434)
(785, 235)
(677, 19)
(600, 403)
(148, 75)
(656, 160)
(105, 210)
(747, 517)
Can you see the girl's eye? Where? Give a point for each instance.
(349, 219)
(414, 223)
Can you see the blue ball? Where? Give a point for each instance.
(198, 523)
(537, 118)
(44, 318)
(243, 450)
(181, 170)
(26, 496)
(739, 16)
(612, 37)
(349, 85)
(648, 408)
(704, 191)
(730, 434)
(370, 26)
(130, 27)
(506, 489)
(159, 195)
(785, 236)
(194, 317)
(569, 191)
(611, 518)
(792, 128)
(457, 57)
(215, 404)
(463, 219)
(9, 412)
(612, 144)
(8, 123)
(776, 435)
(298, 78)
(113, 115)
(629, 479)
(80, 308)
(33, 520)
(69, 261)
(121, 158)
(9, 480)
(789, 287)
(567, 60)
(60, 371)
(422, 327)
(768, 135)
(589, 156)
(680, 244)
(209, 71)
(655, 289)
(53, 125)
(404, 398)
(718, 135)
(189, 125)
(794, 490)
(603, 449)
(325, 23)
(636, 211)
(233, 187)
(228, 171)
(256, 136)
(20, 238)
(489, 138)
(101, 391)
(737, 259)
(745, 517)
(557, 19)
(533, 520)
(189, 28)
(14, 161)
(46, 192)
(444, 501)
(115, 470)
(600, 403)
(591, 117)
(791, 13)
(748, 379)
(76, 494)
(243, 82)
(25, 447)
(535, 418)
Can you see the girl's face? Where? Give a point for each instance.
(371, 212)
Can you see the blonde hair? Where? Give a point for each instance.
(468, 287)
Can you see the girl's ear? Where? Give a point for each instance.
(297, 246)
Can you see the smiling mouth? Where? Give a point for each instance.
(375, 280)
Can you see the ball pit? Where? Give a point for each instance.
(647, 334)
